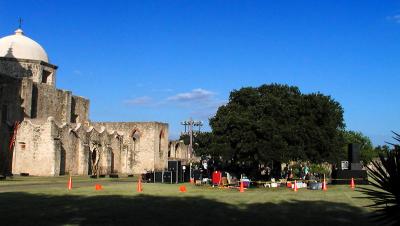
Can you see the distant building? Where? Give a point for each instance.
(55, 135)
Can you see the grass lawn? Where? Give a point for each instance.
(45, 200)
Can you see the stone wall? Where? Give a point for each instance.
(108, 146)
(79, 110)
(26, 96)
(177, 150)
(48, 101)
(61, 104)
(36, 151)
(20, 68)
(69, 150)
(55, 136)
(143, 150)
(44, 148)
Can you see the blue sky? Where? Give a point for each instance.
(171, 60)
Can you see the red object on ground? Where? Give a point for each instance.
(295, 186)
(324, 186)
(182, 188)
(241, 187)
(139, 185)
(70, 183)
(352, 184)
(289, 184)
(98, 187)
(216, 178)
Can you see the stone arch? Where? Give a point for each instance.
(160, 141)
(132, 150)
(136, 134)
(62, 160)
(169, 149)
(112, 161)
(95, 157)
(177, 150)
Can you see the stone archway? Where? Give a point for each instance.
(160, 141)
(112, 162)
(132, 151)
(177, 150)
(63, 157)
(94, 158)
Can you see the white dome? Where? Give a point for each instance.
(21, 47)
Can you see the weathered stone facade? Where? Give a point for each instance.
(179, 151)
(145, 145)
(65, 149)
(38, 71)
(55, 135)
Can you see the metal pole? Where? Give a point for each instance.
(189, 150)
(191, 137)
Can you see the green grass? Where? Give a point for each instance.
(37, 200)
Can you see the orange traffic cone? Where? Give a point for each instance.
(352, 185)
(182, 188)
(98, 187)
(70, 183)
(324, 187)
(241, 187)
(139, 185)
(295, 186)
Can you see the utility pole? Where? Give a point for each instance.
(189, 125)
(189, 128)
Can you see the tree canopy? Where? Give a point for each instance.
(277, 123)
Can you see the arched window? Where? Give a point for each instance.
(169, 149)
(135, 144)
(161, 137)
(177, 150)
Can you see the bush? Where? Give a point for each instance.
(318, 169)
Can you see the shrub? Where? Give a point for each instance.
(319, 169)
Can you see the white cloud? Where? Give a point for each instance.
(395, 18)
(144, 100)
(203, 103)
(194, 95)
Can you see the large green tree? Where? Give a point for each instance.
(277, 123)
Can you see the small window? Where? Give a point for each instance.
(45, 76)
(22, 145)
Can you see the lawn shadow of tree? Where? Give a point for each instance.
(20, 208)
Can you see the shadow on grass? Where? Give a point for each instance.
(28, 209)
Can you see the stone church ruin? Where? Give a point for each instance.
(45, 131)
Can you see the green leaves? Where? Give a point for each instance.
(278, 123)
